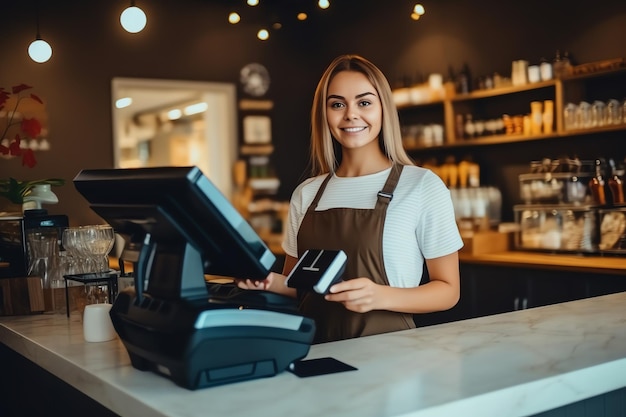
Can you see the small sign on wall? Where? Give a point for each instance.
(257, 129)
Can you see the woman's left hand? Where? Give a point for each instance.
(359, 294)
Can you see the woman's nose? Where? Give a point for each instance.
(351, 113)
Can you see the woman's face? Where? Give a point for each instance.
(353, 110)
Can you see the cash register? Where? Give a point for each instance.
(179, 227)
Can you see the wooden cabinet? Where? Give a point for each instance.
(492, 104)
(490, 289)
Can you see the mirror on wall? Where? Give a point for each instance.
(176, 123)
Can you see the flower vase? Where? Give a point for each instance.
(40, 194)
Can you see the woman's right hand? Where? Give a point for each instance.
(248, 284)
(274, 282)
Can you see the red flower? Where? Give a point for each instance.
(14, 147)
(31, 127)
(19, 88)
(4, 96)
(28, 158)
(36, 98)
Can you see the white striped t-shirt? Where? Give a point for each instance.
(420, 222)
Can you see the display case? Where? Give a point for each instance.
(555, 188)
(557, 228)
(612, 239)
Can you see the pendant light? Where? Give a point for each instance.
(39, 50)
(133, 19)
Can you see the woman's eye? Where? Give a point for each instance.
(365, 103)
(336, 105)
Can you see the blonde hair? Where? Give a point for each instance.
(323, 153)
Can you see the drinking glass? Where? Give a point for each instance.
(98, 241)
(613, 112)
(569, 116)
(583, 115)
(70, 239)
(598, 113)
(44, 256)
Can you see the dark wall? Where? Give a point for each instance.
(191, 40)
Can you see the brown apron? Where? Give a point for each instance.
(359, 233)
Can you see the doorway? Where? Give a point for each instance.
(176, 123)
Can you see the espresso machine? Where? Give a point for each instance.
(14, 230)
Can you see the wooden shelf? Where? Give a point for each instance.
(502, 139)
(562, 87)
(256, 149)
(500, 91)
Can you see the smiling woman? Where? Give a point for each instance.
(176, 123)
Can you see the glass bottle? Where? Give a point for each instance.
(616, 183)
(596, 185)
(545, 69)
(465, 79)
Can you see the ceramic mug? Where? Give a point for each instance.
(97, 325)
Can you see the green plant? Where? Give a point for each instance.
(15, 190)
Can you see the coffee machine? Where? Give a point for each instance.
(14, 252)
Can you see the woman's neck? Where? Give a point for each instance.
(356, 167)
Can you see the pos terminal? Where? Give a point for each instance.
(180, 228)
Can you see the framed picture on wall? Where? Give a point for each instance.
(257, 129)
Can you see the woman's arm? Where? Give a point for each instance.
(441, 293)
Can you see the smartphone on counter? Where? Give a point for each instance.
(320, 366)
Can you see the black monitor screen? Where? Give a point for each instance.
(187, 220)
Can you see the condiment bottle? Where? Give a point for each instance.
(465, 79)
(596, 185)
(473, 174)
(463, 173)
(616, 184)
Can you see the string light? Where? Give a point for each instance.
(323, 4)
(263, 34)
(234, 18)
(418, 11)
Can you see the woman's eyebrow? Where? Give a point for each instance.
(334, 96)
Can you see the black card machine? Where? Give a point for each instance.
(182, 228)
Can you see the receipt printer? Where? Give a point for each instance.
(203, 344)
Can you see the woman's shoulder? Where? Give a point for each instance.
(309, 185)
(417, 172)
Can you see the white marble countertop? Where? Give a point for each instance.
(513, 364)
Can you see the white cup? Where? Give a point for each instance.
(97, 325)
(534, 74)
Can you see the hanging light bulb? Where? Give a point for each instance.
(133, 19)
(39, 50)
(323, 4)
